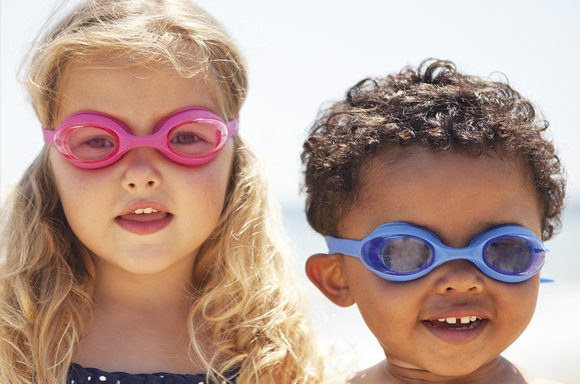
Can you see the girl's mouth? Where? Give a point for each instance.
(144, 221)
(144, 215)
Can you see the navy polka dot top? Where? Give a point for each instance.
(81, 375)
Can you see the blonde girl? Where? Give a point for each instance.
(137, 247)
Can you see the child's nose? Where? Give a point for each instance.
(458, 276)
(141, 171)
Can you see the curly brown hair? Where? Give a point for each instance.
(432, 106)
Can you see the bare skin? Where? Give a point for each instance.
(138, 326)
(499, 371)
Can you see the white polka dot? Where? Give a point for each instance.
(103, 378)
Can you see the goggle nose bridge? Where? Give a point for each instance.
(129, 142)
(471, 253)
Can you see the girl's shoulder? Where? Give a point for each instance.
(82, 375)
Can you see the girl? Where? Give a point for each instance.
(138, 241)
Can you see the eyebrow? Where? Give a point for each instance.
(494, 224)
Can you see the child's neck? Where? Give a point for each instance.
(163, 290)
(139, 323)
(498, 370)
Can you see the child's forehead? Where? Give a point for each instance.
(143, 74)
(136, 63)
(408, 161)
(444, 191)
(396, 169)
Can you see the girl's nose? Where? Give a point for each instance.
(458, 276)
(141, 171)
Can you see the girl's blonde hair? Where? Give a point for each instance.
(245, 297)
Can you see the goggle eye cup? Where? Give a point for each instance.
(87, 143)
(398, 255)
(195, 138)
(514, 255)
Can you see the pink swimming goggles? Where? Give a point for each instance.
(189, 136)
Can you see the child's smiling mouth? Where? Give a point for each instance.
(456, 323)
(456, 330)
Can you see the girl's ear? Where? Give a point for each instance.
(326, 272)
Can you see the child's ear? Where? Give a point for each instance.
(325, 271)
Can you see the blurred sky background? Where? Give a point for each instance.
(303, 53)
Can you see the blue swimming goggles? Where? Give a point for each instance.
(405, 252)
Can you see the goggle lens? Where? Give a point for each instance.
(510, 254)
(91, 143)
(193, 139)
(405, 254)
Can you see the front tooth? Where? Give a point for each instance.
(473, 318)
(465, 319)
(451, 320)
(139, 211)
(441, 320)
(148, 210)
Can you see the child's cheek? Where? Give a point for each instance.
(516, 304)
(383, 303)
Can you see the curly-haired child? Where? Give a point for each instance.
(435, 191)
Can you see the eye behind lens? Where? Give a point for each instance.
(399, 254)
(194, 139)
(511, 255)
(91, 143)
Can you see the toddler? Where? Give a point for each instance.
(435, 191)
